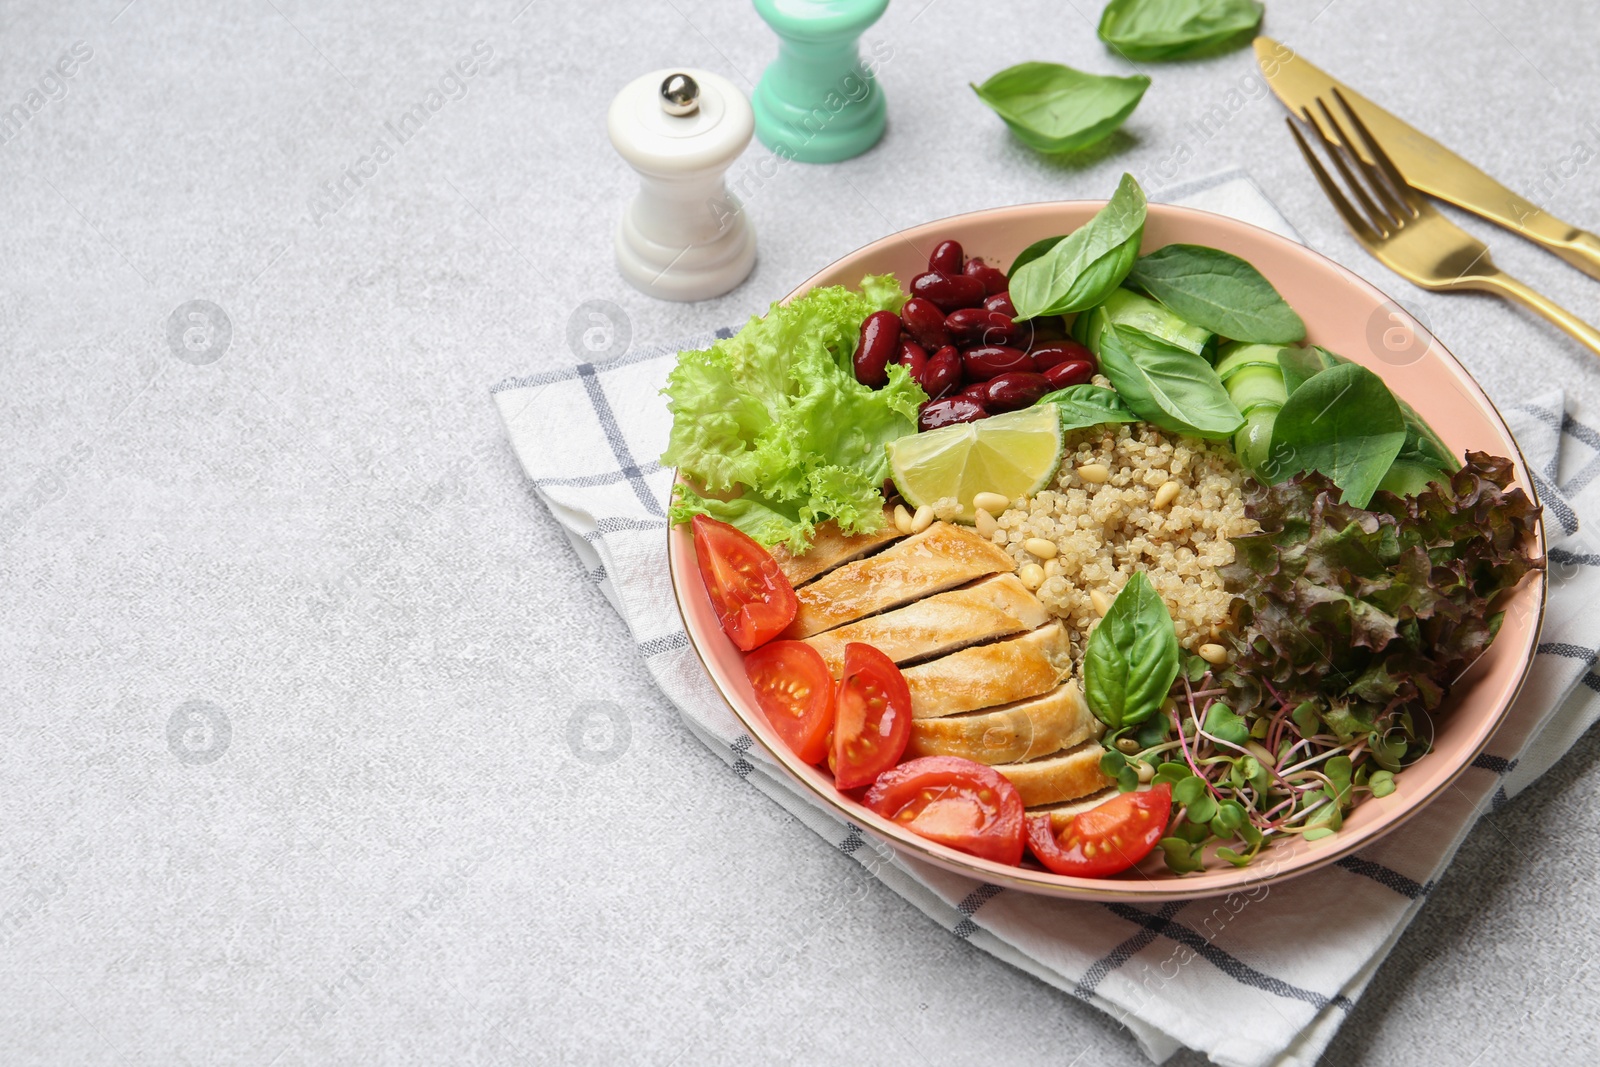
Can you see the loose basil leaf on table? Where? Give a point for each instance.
(1177, 29)
(1167, 386)
(1082, 406)
(1132, 657)
(1343, 422)
(1078, 272)
(1058, 109)
(1217, 291)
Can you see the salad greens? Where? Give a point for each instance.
(1167, 386)
(1132, 657)
(1214, 290)
(1058, 109)
(1177, 29)
(774, 414)
(1083, 269)
(1083, 406)
(1124, 307)
(1343, 422)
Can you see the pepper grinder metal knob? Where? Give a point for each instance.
(817, 102)
(683, 237)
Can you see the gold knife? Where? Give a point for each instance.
(1427, 164)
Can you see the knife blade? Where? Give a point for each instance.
(1424, 162)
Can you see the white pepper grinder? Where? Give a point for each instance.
(683, 237)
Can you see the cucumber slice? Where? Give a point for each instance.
(1256, 386)
(1129, 309)
(1239, 354)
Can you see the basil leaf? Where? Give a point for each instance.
(1132, 657)
(1344, 423)
(1174, 389)
(1082, 406)
(1057, 109)
(1033, 252)
(1177, 29)
(1082, 270)
(1217, 291)
(1423, 446)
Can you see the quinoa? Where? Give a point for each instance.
(1104, 532)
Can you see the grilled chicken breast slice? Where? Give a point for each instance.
(941, 557)
(1028, 729)
(998, 673)
(831, 548)
(995, 607)
(1055, 779)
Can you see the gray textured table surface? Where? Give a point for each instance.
(291, 656)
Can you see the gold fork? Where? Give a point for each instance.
(1405, 232)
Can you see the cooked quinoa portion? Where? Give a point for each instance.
(1108, 516)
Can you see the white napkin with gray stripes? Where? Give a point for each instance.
(1244, 979)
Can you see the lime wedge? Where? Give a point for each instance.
(1015, 454)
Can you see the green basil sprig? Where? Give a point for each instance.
(1167, 386)
(1343, 422)
(1058, 109)
(1082, 406)
(1078, 272)
(1132, 657)
(1212, 289)
(1177, 29)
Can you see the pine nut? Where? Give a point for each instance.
(1101, 602)
(1040, 547)
(922, 519)
(1052, 568)
(1095, 473)
(1146, 771)
(1165, 495)
(1032, 575)
(1127, 745)
(993, 503)
(902, 519)
(985, 524)
(1213, 654)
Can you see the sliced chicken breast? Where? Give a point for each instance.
(995, 607)
(941, 557)
(1028, 729)
(1055, 779)
(987, 675)
(830, 548)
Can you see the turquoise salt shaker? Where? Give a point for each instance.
(818, 102)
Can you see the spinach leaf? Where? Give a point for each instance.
(1082, 406)
(1174, 389)
(1300, 365)
(1344, 423)
(1132, 657)
(1057, 109)
(1423, 446)
(1033, 252)
(1176, 29)
(1217, 291)
(1080, 271)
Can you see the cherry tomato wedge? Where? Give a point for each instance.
(754, 602)
(1107, 838)
(955, 802)
(872, 718)
(795, 691)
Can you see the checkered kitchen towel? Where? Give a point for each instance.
(1166, 971)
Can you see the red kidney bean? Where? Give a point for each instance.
(980, 326)
(879, 342)
(949, 291)
(1015, 390)
(913, 356)
(990, 361)
(1001, 302)
(1049, 329)
(925, 323)
(977, 391)
(1049, 354)
(994, 281)
(949, 411)
(946, 258)
(941, 374)
(1072, 372)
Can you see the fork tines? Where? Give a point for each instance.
(1387, 202)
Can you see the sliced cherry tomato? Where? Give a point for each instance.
(872, 722)
(795, 690)
(754, 602)
(955, 802)
(1107, 838)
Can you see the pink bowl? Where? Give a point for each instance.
(1342, 313)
